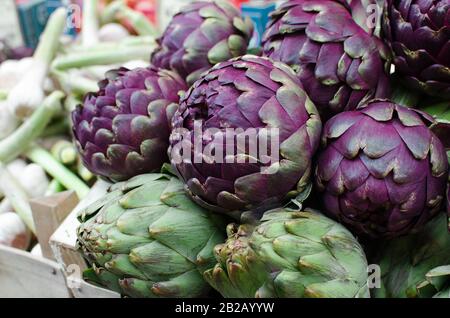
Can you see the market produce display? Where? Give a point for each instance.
(291, 254)
(419, 34)
(340, 65)
(201, 35)
(311, 162)
(147, 239)
(382, 171)
(247, 92)
(123, 129)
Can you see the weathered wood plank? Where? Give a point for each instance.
(81, 289)
(63, 241)
(23, 275)
(48, 214)
(63, 244)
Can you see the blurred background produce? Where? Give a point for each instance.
(97, 89)
(52, 53)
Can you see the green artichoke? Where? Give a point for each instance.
(291, 254)
(145, 238)
(417, 266)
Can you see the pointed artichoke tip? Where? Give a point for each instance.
(310, 292)
(157, 231)
(304, 264)
(233, 268)
(201, 261)
(217, 271)
(160, 289)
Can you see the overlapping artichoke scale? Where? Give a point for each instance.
(201, 35)
(418, 33)
(146, 238)
(123, 129)
(291, 254)
(382, 170)
(247, 93)
(239, 272)
(340, 65)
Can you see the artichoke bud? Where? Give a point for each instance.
(273, 261)
(155, 244)
(201, 35)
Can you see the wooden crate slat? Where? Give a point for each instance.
(81, 289)
(63, 245)
(63, 241)
(48, 214)
(24, 275)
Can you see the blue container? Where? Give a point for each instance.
(33, 17)
(258, 12)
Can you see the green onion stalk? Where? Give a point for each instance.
(115, 46)
(16, 143)
(138, 21)
(74, 83)
(102, 57)
(65, 152)
(57, 170)
(28, 94)
(54, 187)
(89, 33)
(71, 103)
(58, 127)
(17, 197)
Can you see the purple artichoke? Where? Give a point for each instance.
(201, 35)
(382, 171)
(340, 65)
(367, 13)
(247, 93)
(123, 129)
(418, 32)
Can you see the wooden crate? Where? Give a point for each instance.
(58, 273)
(26, 275)
(63, 245)
(23, 275)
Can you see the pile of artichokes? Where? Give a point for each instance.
(360, 176)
